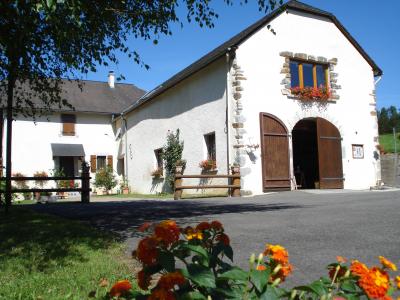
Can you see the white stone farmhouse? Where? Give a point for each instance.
(291, 99)
(244, 103)
(66, 138)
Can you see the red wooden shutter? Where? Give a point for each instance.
(275, 153)
(329, 155)
(110, 161)
(93, 162)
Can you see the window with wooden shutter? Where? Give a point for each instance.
(68, 124)
(110, 161)
(210, 145)
(93, 163)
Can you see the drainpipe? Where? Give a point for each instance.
(228, 74)
(126, 146)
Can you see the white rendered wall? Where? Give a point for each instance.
(32, 142)
(196, 106)
(259, 58)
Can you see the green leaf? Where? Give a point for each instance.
(228, 252)
(198, 249)
(272, 293)
(349, 286)
(235, 274)
(192, 296)
(202, 276)
(167, 261)
(260, 279)
(317, 287)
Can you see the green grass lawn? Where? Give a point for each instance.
(387, 141)
(45, 257)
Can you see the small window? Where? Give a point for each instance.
(308, 74)
(159, 160)
(68, 124)
(101, 162)
(210, 145)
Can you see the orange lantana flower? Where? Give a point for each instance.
(147, 251)
(398, 282)
(160, 294)
(341, 259)
(193, 234)
(203, 226)
(278, 253)
(144, 226)
(375, 283)
(358, 268)
(224, 239)
(120, 288)
(169, 280)
(387, 263)
(261, 268)
(216, 225)
(143, 280)
(167, 231)
(283, 273)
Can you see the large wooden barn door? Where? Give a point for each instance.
(329, 155)
(275, 153)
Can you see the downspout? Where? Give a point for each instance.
(227, 115)
(126, 146)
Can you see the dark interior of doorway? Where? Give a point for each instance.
(305, 154)
(67, 165)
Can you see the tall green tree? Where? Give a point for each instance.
(43, 41)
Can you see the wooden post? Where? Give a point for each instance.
(85, 194)
(235, 192)
(178, 183)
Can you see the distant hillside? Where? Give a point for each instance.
(387, 141)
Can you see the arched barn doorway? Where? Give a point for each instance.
(317, 154)
(275, 153)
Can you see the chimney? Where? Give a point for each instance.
(111, 79)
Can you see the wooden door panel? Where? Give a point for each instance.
(275, 153)
(329, 155)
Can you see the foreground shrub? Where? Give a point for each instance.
(195, 263)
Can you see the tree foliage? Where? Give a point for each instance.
(105, 178)
(172, 152)
(388, 118)
(43, 41)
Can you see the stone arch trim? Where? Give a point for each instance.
(298, 117)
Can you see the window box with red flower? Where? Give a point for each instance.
(311, 93)
(157, 173)
(208, 165)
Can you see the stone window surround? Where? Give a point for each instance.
(333, 77)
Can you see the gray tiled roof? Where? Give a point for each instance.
(97, 96)
(94, 97)
(231, 44)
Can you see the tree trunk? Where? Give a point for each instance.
(10, 94)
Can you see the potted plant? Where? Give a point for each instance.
(208, 165)
(105, 179)
(21, 184)
(235, 168)
(39, 183)
(180, 165)
(125, 187)
(61, 184)
(157, 173)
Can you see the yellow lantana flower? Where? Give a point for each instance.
(387, 263)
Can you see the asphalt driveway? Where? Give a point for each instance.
(314, 227)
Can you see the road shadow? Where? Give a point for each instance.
(123, 218)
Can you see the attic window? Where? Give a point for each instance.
(308, 74)
(68, 124)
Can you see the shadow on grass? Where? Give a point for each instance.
(122, 218)
(40, 242)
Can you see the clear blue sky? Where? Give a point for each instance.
(375, 24)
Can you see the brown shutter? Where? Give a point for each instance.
(329, 155)
(93, 163)
(68, 129)
(68, 121)
(110, 161)
(275, 153)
